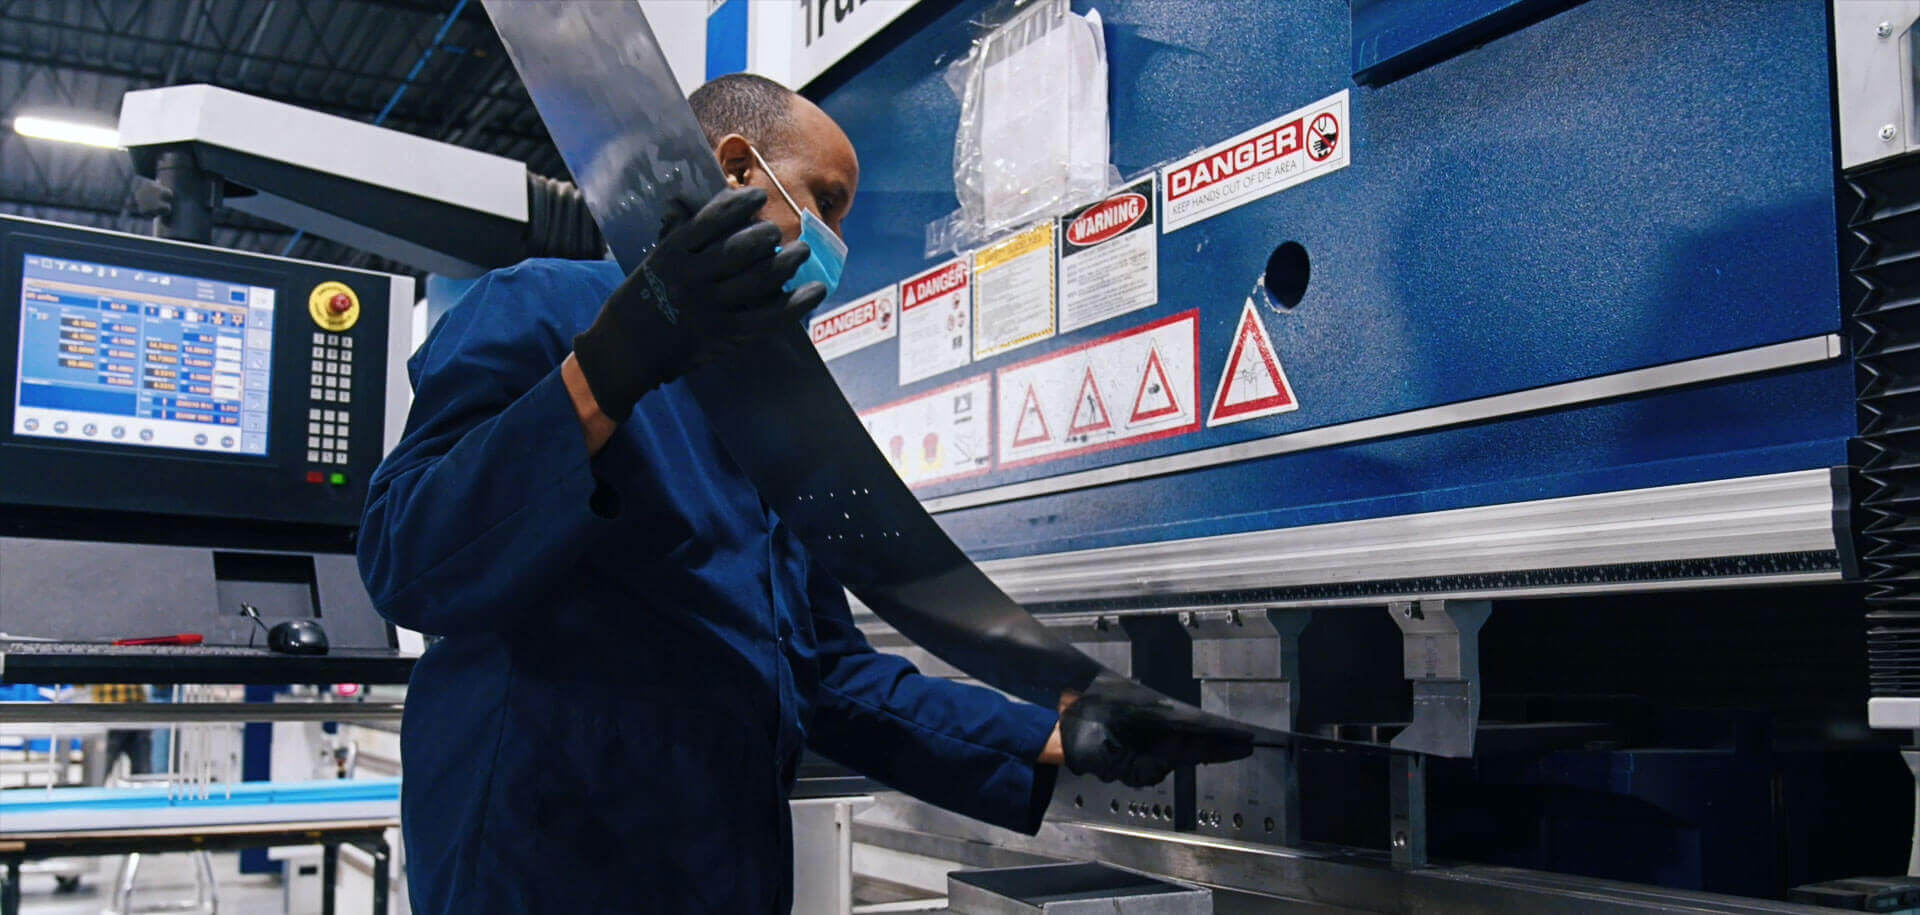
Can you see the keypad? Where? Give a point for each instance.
(329, 386)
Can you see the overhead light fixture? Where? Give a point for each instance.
(66, 131)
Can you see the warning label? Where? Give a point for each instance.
(1252, 384)
(941, 435)
(1133, 386)
(1296, 147)
(936, 321)
(1108, 258)
(1013, 292)
(856, 325)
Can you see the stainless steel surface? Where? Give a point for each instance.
(1804, 351)
(1244, 660)
(1440, 653)
(1346, 879)
(1749, 516)
(1873, 58)
(1407, 816)
(193, 713)
(1071, 889)
(601, 83)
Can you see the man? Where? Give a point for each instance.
(635, 648)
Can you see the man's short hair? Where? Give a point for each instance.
(750, 105)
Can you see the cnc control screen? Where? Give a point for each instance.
(115, 355)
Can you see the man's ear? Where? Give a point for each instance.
(736, 159)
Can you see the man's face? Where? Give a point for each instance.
(817, 166)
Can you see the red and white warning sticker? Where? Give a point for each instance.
(1133, 386)
(856, 325)
(943, 434)
(1252, 383)
(1295, 147)
(936, 321)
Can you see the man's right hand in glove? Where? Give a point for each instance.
(711, 283)
(1139, 743)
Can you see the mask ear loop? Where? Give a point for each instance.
(775, 179)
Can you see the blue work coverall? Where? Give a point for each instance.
(635, 648)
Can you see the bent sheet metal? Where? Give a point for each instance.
(602, 85)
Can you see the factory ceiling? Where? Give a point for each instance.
(433, 68)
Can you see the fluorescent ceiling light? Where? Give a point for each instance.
(67, 131)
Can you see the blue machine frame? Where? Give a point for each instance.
(1623, 185)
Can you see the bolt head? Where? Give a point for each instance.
(1399, 840)
(1888, 132)
(1883, 29)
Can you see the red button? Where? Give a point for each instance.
(315, 476)
(340, 303)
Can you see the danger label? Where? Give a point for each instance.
(944, 434)
(1296, 147)
(1252, 382)
(1131, 387)
(936, 321)
(856, 325)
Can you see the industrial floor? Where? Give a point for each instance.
(162, 879)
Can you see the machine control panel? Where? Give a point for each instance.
(151, 376)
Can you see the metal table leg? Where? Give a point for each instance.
(329, 873)
(10, 894)
(380, 853)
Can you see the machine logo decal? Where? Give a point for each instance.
(1298, 146)
(1107, 219)
(1156, 362)
(1252, 384)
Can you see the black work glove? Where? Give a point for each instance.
(1138, 743)
(711, 283)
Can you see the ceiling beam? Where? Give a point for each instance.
(225, 54)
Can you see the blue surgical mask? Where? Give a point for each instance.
(829, 253)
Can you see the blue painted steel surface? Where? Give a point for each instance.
(1392, 38)
(1782, 422)
(1623, 184)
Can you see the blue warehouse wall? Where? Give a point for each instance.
(1621, 184)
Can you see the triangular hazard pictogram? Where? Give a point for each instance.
(1252, 384)
(1155, 397)
(1031, 429)
(1090, 410)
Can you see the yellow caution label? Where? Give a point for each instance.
(334, 306)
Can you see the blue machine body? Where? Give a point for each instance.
(1620, 184)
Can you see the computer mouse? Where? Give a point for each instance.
(297, 637)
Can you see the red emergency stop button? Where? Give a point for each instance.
(340, 303)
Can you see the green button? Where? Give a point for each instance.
(338, 479)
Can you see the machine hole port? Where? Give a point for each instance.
(1079, 801)
(1237, 821)
(1288, 271)
(1113, 806)
(1268, 824)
